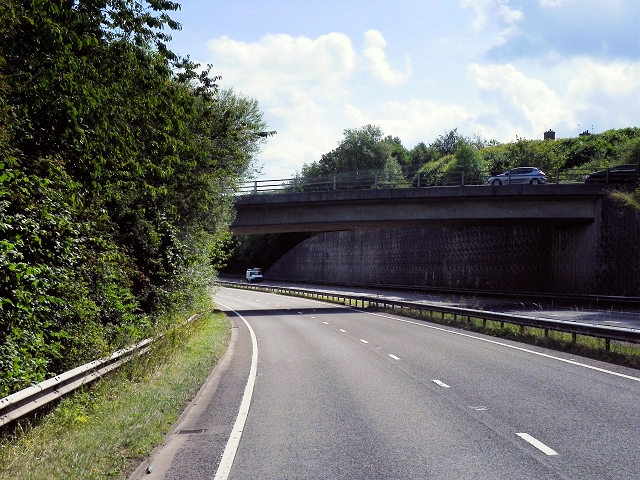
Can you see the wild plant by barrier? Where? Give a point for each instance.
(25, 401)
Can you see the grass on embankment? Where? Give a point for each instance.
(106, 429)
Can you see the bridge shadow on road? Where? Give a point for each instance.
(280, 312)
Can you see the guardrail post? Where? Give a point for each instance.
(462, 178)
(335, 181)
(418, 179)
(375, 181)
(607, 345)
(574, 338)
(255, 187)
(557, 176)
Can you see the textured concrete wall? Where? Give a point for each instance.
(601, 258)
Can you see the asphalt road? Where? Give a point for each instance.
(345, 394)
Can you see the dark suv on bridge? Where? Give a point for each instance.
(619, 174)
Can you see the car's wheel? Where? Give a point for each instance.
(534, 181)
(496, 182)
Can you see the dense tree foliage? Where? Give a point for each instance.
(450, 154)
(361, 150)
(118, 164)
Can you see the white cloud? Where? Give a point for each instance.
(298, 82)
(496, 15)
(378, 64)
(555, 3)
(535, 103)
(509, 15)
(302, 85)
(608, 93)
(485, 10)
(422, 120)
(284, 64)
(579, 90)
(616, 80)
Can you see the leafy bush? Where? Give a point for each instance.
(118, 165)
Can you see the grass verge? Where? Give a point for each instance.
(104, 430)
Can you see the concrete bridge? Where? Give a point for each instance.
(555, 204)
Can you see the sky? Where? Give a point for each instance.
(500, 69)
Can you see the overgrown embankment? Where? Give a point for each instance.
(118, 164)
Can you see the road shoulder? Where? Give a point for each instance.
(195, 443)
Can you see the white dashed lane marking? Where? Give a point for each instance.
(537, 443)
(394, 357)
(479, 408)
(441, 383)
(343, 331)
(363, 341)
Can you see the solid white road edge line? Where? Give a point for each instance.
(526, 350)
(537, 443)
(234, 439)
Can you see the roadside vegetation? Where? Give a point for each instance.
(118, 164)
(104, 430)
(630, 199)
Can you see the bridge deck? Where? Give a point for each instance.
(564, 204)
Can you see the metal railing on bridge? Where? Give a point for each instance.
(380, 180)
